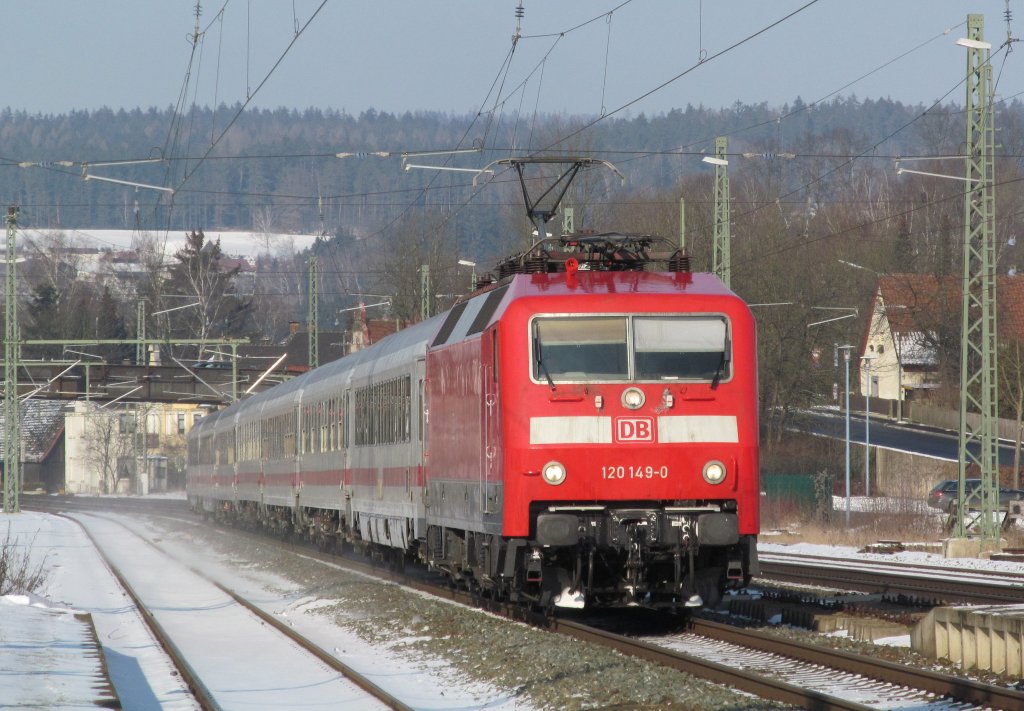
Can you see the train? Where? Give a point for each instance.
(582, 432)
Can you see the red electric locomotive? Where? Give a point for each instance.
(581, 432)
(593, 435)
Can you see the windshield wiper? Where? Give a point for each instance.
(543, 368)
(718, 373)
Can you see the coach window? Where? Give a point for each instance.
(287, 436)
(346, 409)
(568, 349)
(680, 348)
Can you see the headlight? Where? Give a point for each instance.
(553, 473)
(633, 398)
(714, 472)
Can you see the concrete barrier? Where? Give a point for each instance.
(985, 637)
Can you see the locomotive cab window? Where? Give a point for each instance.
(580, 349)
(608, 348)
(683, 348)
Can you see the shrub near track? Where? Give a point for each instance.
(18, 574)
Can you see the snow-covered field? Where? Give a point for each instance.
(233, 243)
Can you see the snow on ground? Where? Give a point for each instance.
(79, 580)
(141, 673)
(233, 243)
(53, 650)
(143, 676)
(875, 504)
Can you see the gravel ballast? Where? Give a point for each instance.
(537, 668)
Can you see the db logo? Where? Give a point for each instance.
(634, 429)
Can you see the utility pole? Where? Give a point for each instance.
(141, 356)
(978, 367)
(314, 313)
(682, 224)
(425, 292)
(846, 360)
(866, 360)
(722, 266)
(12, 420)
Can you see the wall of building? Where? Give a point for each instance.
(166, 428)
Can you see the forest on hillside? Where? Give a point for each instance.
(814, 188)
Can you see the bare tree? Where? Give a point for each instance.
(413, 244)
(216, 310)
(107, 445)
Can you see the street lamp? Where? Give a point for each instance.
(472, 277)
(867, 425)
(846, 358)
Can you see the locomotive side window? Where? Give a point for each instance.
(684, 348)
(581, 349)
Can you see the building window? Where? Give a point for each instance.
(126, 422)
(181, 423)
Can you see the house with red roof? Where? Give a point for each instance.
(916, 322)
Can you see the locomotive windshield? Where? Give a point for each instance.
(692, 347)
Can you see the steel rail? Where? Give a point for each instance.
(308, 646)
(757, 684)
(1009, 576)
(943, 685)
(199, 690)
(330, 660)
(940, 585)
(954, 687)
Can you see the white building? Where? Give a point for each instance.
(103, 451)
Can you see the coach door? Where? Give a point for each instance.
(423, 421)
(490, 474)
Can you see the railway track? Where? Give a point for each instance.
(289, 666)
(923, 582)
(804, 675)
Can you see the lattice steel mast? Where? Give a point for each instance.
(722, 266)
(314, 313)
(12, 421)
(978, 365)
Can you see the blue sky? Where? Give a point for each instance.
(450, 55)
